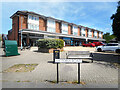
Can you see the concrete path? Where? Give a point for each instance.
(95, 75)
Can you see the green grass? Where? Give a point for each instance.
(70, 82)
(23, 81)
(21, 68)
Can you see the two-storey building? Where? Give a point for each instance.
(27, 27)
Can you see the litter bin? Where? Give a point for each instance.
(11, 48)
(56, 55)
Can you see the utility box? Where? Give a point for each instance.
(56, 55)
(11, 48)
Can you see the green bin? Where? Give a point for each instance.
(11, 48)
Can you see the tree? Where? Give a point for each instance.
(0, 37)
(116, 22)
(108, 37)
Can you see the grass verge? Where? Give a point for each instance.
(21, 68)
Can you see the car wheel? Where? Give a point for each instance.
(117, 50)
(99, 49)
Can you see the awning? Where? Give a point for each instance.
(26, 31)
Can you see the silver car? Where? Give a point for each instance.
(109, 47)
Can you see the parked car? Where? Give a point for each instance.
(88, 45)
(109, 47)
(98, 43)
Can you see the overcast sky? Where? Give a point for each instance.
(90, 14)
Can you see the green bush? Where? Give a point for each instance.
(50, 43)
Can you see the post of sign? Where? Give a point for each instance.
(78, 73)
(57, 74)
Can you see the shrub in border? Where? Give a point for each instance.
(50, 43)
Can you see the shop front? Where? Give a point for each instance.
(68, 41)
(30, 39)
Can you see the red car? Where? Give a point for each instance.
(88, 45)
(98, 43)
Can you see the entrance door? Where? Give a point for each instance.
(33, 41)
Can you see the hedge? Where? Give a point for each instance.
(50, 43)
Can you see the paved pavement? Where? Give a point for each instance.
(99, 74)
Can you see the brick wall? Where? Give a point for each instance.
(19, 40)
(15, 28)
(69, 30)
(92, 33)
(102, 35)
(10, 37)
(86, 32)
(23, 21)
(42, 24)
(57, 27)
(97, 34)
(78, 31)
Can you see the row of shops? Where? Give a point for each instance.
(31, 37)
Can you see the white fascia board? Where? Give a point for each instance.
(58, 34)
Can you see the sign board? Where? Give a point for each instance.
(68, 60)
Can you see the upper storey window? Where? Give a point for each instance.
(89, 33)
(31, 17)
(75, 30)
(95, 34)
(50, 25)
(64, 28)
(100, 35)
(33, 22)
(83, 31)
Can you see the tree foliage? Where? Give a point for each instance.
(116, 22)
(0, 37)
(108, 37)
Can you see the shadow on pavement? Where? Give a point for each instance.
(111, 58)
(38, 51)
(2, 56)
